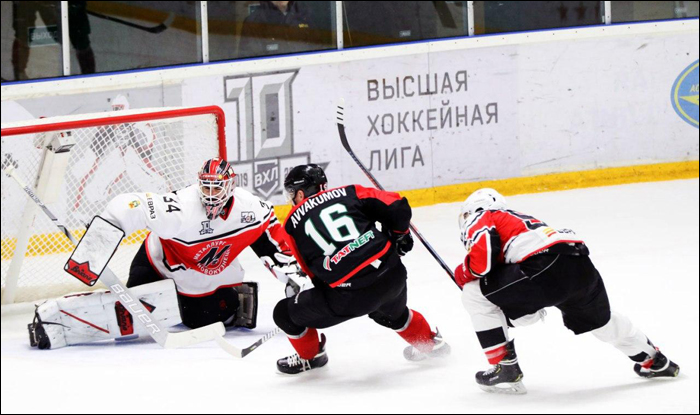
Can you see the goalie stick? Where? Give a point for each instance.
(164, 338)
(344, 140)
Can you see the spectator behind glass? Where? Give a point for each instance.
(380, 22)
(25, 14)
(276, 28)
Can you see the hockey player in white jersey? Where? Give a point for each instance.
(516, 266)
(187, 268)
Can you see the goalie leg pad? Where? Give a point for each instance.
(247, 315)
(90, 317)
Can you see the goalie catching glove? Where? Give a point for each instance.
(285, 268)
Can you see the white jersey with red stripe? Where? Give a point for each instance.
(199, 254)
(509, 237)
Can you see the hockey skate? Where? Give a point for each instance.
(37, 334)
(440, 349)
(657, 367)
(45, 335)
(294, 364)
(504, 377)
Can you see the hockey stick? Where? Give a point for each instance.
(155, 29)
(143, 316)
(346, 144)
(241, 353)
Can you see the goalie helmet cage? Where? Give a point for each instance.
(148, 150)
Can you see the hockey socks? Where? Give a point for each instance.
(307, 344)
(417, 332)
(494, 343)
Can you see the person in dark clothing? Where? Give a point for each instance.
(24, 20)
(354, 266)
(276, 28)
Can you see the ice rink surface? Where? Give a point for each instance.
(643, 238)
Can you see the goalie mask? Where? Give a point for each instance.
(216, 185)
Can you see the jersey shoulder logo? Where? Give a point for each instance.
(247, 217)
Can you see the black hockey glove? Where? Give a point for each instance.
(404, 243)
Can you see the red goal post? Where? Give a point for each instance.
(155, 150)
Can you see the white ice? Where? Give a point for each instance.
(643, 239)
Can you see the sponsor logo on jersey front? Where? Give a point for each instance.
(349, 248)
(151, 206)
(684, 95)
(213, 258)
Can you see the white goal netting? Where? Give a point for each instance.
(128, 151)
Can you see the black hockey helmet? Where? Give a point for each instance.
(310, 179)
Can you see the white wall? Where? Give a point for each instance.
(566, 100)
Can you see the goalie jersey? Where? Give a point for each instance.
(199, 254)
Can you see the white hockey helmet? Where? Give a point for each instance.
(482, 199)
(120, 103)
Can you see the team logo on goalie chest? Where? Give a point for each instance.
(206, 228)
(213, 257)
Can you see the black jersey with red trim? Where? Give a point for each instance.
(334, 235)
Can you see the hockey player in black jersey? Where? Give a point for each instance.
(355, 267)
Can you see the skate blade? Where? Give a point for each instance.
(310, 372)
(440, 353)
(516, 388)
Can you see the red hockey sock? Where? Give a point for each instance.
(307, 345)
(417, 332)
(497, 354)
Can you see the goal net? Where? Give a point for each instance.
(155, 150)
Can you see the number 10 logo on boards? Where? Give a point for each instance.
(261, 108)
